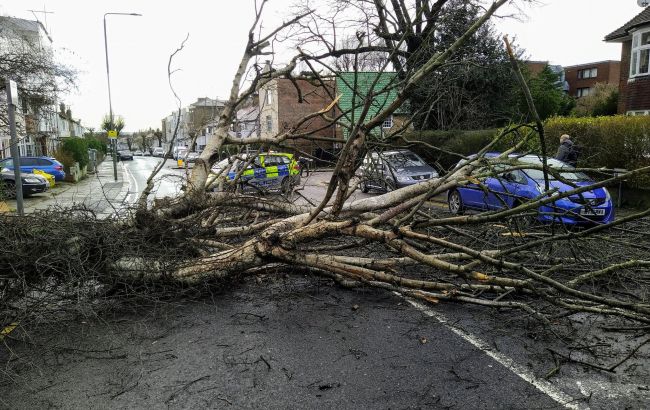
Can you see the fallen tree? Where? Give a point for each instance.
(395, 241)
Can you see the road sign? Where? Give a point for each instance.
(112, 134)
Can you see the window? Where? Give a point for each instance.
(640, 59)
(588, 73)
(638, 112)
(583, 92)
(269, 96)
(388, 122)
(269, 123)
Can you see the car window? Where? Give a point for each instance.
(43, 162)
(404, 160)
(28, 162)
(566, 171)
(7, 163)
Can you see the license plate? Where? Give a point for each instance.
(592, 212)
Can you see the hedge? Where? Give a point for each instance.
(612, 142)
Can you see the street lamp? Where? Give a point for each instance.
(108, 77)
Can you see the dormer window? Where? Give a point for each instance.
(640, 58)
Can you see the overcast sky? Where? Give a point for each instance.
(565, 32)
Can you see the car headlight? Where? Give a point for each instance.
(31, 180)
(403, 178)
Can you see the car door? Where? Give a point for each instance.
(27, 165)
(472, 193)
(504, 188)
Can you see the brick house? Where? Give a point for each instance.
(583, 77)
(282, 108)
(634, 82)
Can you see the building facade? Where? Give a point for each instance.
(634, 82)
(582, 78)
(299, 107)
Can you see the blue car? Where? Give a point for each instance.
(29, 164)
(511, 188)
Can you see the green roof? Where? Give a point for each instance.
(383, 84)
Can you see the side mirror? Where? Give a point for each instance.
(509, 176)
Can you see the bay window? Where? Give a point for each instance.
(640, 56)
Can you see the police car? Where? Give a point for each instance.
(271, 171)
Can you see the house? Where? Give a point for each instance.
(583, 77)
(293, 105)
(202, 113)
(355, 87)
(634, 82)
(247, 123)
(41, 122)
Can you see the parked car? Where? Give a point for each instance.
(137, 153)
(32, 184)
(146, 153)
(191, 156)
(125, 155)
(179, 152)
(265, 172)
(390, 170)
(29, 164)
(513, 187)
(158, 152)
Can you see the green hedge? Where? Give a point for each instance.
(94, 143)
(614, 142)
(77, 148)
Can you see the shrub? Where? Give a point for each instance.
(77, 148)
(94, 143)
(612, 142)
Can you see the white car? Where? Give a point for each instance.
(158, 152)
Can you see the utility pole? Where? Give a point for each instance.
(12, 99)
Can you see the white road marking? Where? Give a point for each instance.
(131, 195)
(542, 385)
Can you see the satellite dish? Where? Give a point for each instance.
(643, 3)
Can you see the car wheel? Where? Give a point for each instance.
(286, 186)
(9, 189)
(363, 187)
(523, 222)
(455, 202)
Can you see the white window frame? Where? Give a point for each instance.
(269, 96)
(388, 122)
(581, 92)
(637, 112)
(636, 52)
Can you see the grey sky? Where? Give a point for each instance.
(564, 32)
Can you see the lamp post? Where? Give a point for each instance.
(108, 78)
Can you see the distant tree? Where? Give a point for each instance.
(476, 89)
(159, 136)
(549, 98)
(118, 123)
(32, 64)
(603, 100)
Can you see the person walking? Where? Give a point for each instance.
(567, 151)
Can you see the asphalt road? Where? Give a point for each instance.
(277, 343)
(168, 181)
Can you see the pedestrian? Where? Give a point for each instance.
(567, 152)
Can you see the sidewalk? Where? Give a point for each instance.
(99, 192)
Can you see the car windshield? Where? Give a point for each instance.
(404, 160)
(566, 171)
